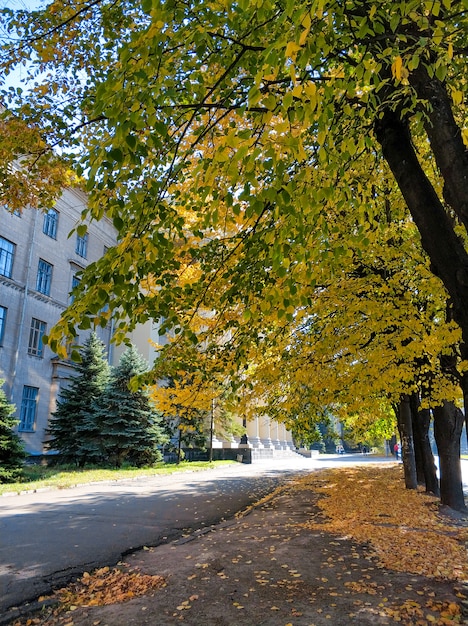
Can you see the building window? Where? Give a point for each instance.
(82, 245)
(36, 332)
(75, 282)
(7, 252)
(3, 314)
(50, 223)
(44, 277)
(28, 409)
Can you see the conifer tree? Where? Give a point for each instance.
(73, 430)
(12, 452)
(130, 428)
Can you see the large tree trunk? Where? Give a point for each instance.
(446, 250)
(449, 259)
(407, 446)
(446, 139)
(465, 401)
(418, 450)
(448, 425)
(426, 469)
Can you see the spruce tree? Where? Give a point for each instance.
(12, 452)
(73, 429)
(129, 426)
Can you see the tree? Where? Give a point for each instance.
(73, 430)
(281, 107)
(220, 138)
(129, 426)
(12, 453)
(186, 401)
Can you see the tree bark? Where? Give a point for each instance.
(451, 156)
(407, 445)
(418, 450)
(448, 424)
(426, 469)
(446, 251)
(445, 138)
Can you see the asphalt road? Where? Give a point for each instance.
(48, 537)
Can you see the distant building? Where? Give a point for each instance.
(38, 267)
(265, 438)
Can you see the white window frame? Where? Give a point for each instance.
(44, 277)
(81, 248)
(28, 411)
(7, 256)
(36, 332)
(50, 224)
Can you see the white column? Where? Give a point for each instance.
(253, 433)
(288, 439)
(275, 435)
(265, 436)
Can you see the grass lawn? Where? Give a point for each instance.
(38, 477)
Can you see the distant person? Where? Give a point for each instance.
(397, 451)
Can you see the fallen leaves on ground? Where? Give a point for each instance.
(371, 505)
(108, 586)
(101, 587)
(362, 523)
(411, 612)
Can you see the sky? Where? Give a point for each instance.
(21, 4)
(15, 78)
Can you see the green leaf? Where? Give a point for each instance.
(118, 222)
(75, 356)
(116, 154)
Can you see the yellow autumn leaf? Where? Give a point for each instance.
(457, 96)
(397, 66)
(291, 49)
(464, 134)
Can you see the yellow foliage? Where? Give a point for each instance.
(109, 586)
(371, 505)
(187, 393)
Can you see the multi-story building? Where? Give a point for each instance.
(38, 267)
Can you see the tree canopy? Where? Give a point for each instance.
(250, 153)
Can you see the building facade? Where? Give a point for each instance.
(39, 261)
(38, 266)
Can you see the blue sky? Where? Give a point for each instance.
(15, 78)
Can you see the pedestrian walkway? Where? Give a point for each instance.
(264, 568)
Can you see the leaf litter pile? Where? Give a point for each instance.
(102, 587)
(109, 586)
(401, 530)
(370, 505)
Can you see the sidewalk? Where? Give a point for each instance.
(263, 568)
